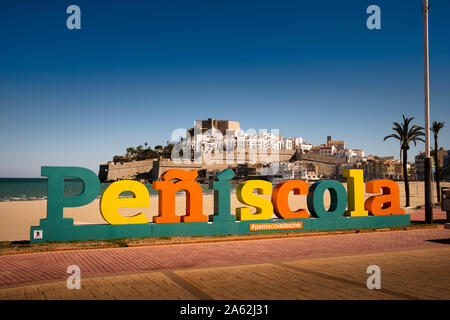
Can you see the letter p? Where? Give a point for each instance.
(56, 201)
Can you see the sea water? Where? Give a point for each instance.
(28, 189)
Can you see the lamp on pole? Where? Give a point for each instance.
(427, 162)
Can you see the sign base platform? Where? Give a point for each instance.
(71, 232)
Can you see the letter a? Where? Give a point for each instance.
(386, 203)
(74, 20)
(374, 21)
(374, 281)
(74, 281)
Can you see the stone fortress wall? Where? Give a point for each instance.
(152, 169)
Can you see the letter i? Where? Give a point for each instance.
(222, 190)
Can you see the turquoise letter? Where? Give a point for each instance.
(222, 190)
(56, 200)
(338, 199)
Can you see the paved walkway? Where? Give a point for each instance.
(419, 214)
(411, 274)
(414, 264)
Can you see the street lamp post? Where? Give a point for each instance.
(427, 162)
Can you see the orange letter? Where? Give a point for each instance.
(167, 192)
(280, 199)
(386, 203)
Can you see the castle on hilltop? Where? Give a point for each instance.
(244, 151)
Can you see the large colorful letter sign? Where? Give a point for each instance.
(273, 212)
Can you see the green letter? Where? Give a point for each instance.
(338, 199)
(56, 200)
(222, 190)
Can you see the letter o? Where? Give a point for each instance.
(338, 199)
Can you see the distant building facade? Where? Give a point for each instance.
(446, 167)
(419, 163)
(382, 168)
(205, 137)
(338, 144)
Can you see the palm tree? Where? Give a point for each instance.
(406, 134)
(435, 128)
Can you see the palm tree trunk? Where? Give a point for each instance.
(405, 175)
(436, 166)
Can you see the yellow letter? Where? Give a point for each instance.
(110, 202)
(264, 207)
(355, 192)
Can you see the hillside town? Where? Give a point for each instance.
(214, 145)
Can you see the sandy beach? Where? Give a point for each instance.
(16, 217)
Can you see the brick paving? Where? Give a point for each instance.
(419, 214)
(42, 267)
(404, 275)
(410, 274)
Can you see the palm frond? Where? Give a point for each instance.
(395, 136)
(406, 133)
(437, 126)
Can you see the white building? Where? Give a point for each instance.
(305, 146)
(358, 155)
(208, 140)
(293, 170)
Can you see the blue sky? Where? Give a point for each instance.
(139, 69)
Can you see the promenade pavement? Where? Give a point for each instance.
(419, 214)
(414, 264)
